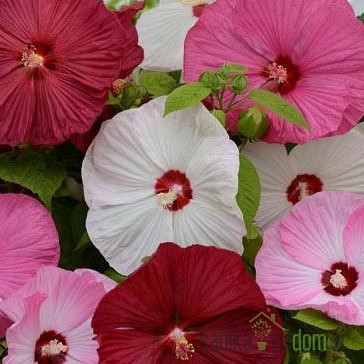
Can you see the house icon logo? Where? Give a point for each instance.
(262, 327)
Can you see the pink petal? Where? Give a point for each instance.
(22, 336)
(312, 232)
(353, 238)
(24, 250)
(81, 345)
(284, 281)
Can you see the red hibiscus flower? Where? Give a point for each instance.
(192, 304)
(58, 60)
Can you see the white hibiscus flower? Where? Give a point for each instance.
(150, 179)
(358, 6)
(329, 164)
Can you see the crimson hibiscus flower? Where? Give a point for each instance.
(58, 59)
(192, 304)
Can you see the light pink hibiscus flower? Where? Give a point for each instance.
(52, 317)
(310, 52)
(314, 257)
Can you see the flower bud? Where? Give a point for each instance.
(253, 122)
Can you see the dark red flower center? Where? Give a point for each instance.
(37, 55)
(340, 280)
(173, 190)
(284, 73)
(303, 186)
(198, 9)
(50, 348)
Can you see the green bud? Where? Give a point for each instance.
(211, 80)
(228, 68)
(253, 122)
(220, 115)
(239, 84)
(130, 94)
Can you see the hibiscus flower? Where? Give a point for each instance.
(329, 164)
(28, 240)
(149, 179)
(52, 317)
(313, 258)
(163, 29)
(58, 60)
(319, 71)
(194, 304)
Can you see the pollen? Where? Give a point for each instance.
(277, 72)
(30, 58)
(184, 349)
(338, 280)
(167, 198)
(54, 347)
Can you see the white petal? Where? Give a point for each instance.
(208, 224)
(338, 161)
(358, 6)
(276, 172)
(162, 32)
(127, 233)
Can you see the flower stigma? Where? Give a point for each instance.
(184, 349)
(30, 58)
(338, 280)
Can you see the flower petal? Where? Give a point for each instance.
(285, 282)
(312, 232)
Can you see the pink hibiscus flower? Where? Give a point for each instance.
(191, 304)
(58, 60)
(320, 71)
(52, 317)
(28, 240)
(314, 257)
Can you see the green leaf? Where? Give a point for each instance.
(279, 106)
(248, 196)
(341, 361)
(185, 96)
(354, 338)
(157, 83)
(311, 361)
(37, 171)
(316, 319)
(251, 249)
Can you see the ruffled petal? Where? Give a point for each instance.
(162, 31)
(127, 233)
(353, 238)
(285, 282)
(312, 232)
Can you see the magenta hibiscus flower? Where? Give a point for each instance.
(58, 60)
(192, 304)
(52, 317)
(314, 257)
(28, 240)
(320, 71)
